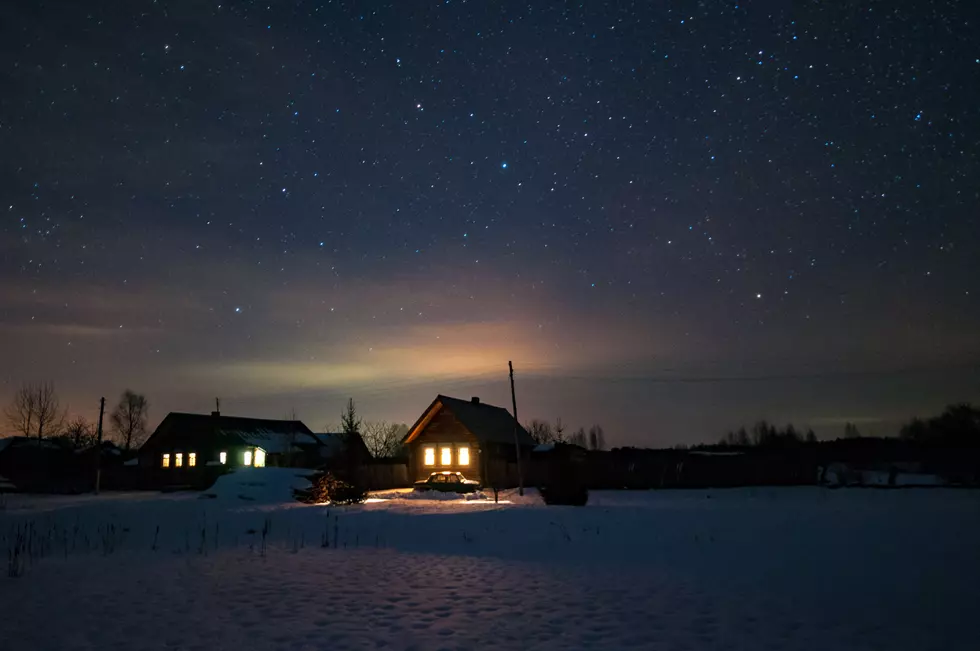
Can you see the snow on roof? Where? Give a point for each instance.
(132, 462)
(544, 447)
(18, 441)
(331, 443)
(273, 436)
(272, 441)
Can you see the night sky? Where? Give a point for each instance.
(675, 218)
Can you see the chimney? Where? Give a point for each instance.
(475, 400)
(215, 413)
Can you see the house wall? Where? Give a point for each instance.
(442, 430)
(173, 442)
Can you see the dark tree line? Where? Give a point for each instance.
(958, 425)
(543, 432)
(767, 435)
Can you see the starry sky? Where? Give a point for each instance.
(675, 218)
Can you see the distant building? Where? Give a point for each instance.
(29, 464)
(184, 443)
(51, 465)
(468, 436)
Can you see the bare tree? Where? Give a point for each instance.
(129, 419)
(22, 410)
(851, 431)
(384, 439)
(36, 409)
(559, 430)
(579, 438)
(597, 438)
(79, 433)
(739, 439)
(540, 431)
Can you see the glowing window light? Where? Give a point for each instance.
(191, 459)
(446, 456)
(430, 457)
(223, 457)
(166, 461)
(178, 459)
(248, 457)
(464, 455)
(259, 458)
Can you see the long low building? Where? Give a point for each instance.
(185, 443)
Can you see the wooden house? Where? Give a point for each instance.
(468, 436)
(185, 444)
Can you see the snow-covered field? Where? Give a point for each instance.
(245, 568)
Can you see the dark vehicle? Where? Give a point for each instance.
(448, 482)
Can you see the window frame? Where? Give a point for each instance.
(426, 450)
(223, 458)
(460, 449)
(191, 459)
(165, 460)
(445, 456)
(178, 459)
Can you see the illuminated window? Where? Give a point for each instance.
(259, 458)
(191, 459)
(446, 456)
(248, 457)
(463, 453)
(166, 461)
(179, 459)
(223, 457)
(430, 457)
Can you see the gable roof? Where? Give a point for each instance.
(273, 436)
(13, 442)
(487, 423)
(333, 443)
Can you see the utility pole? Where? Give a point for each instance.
(517, 441)
(98, 448)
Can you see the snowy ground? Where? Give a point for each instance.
(745, 569)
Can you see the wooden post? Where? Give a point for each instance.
(517, 441)
(98, 448)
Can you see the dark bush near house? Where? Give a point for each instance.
(568, 491)
(330, 487)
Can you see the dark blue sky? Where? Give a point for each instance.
(675, 218)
